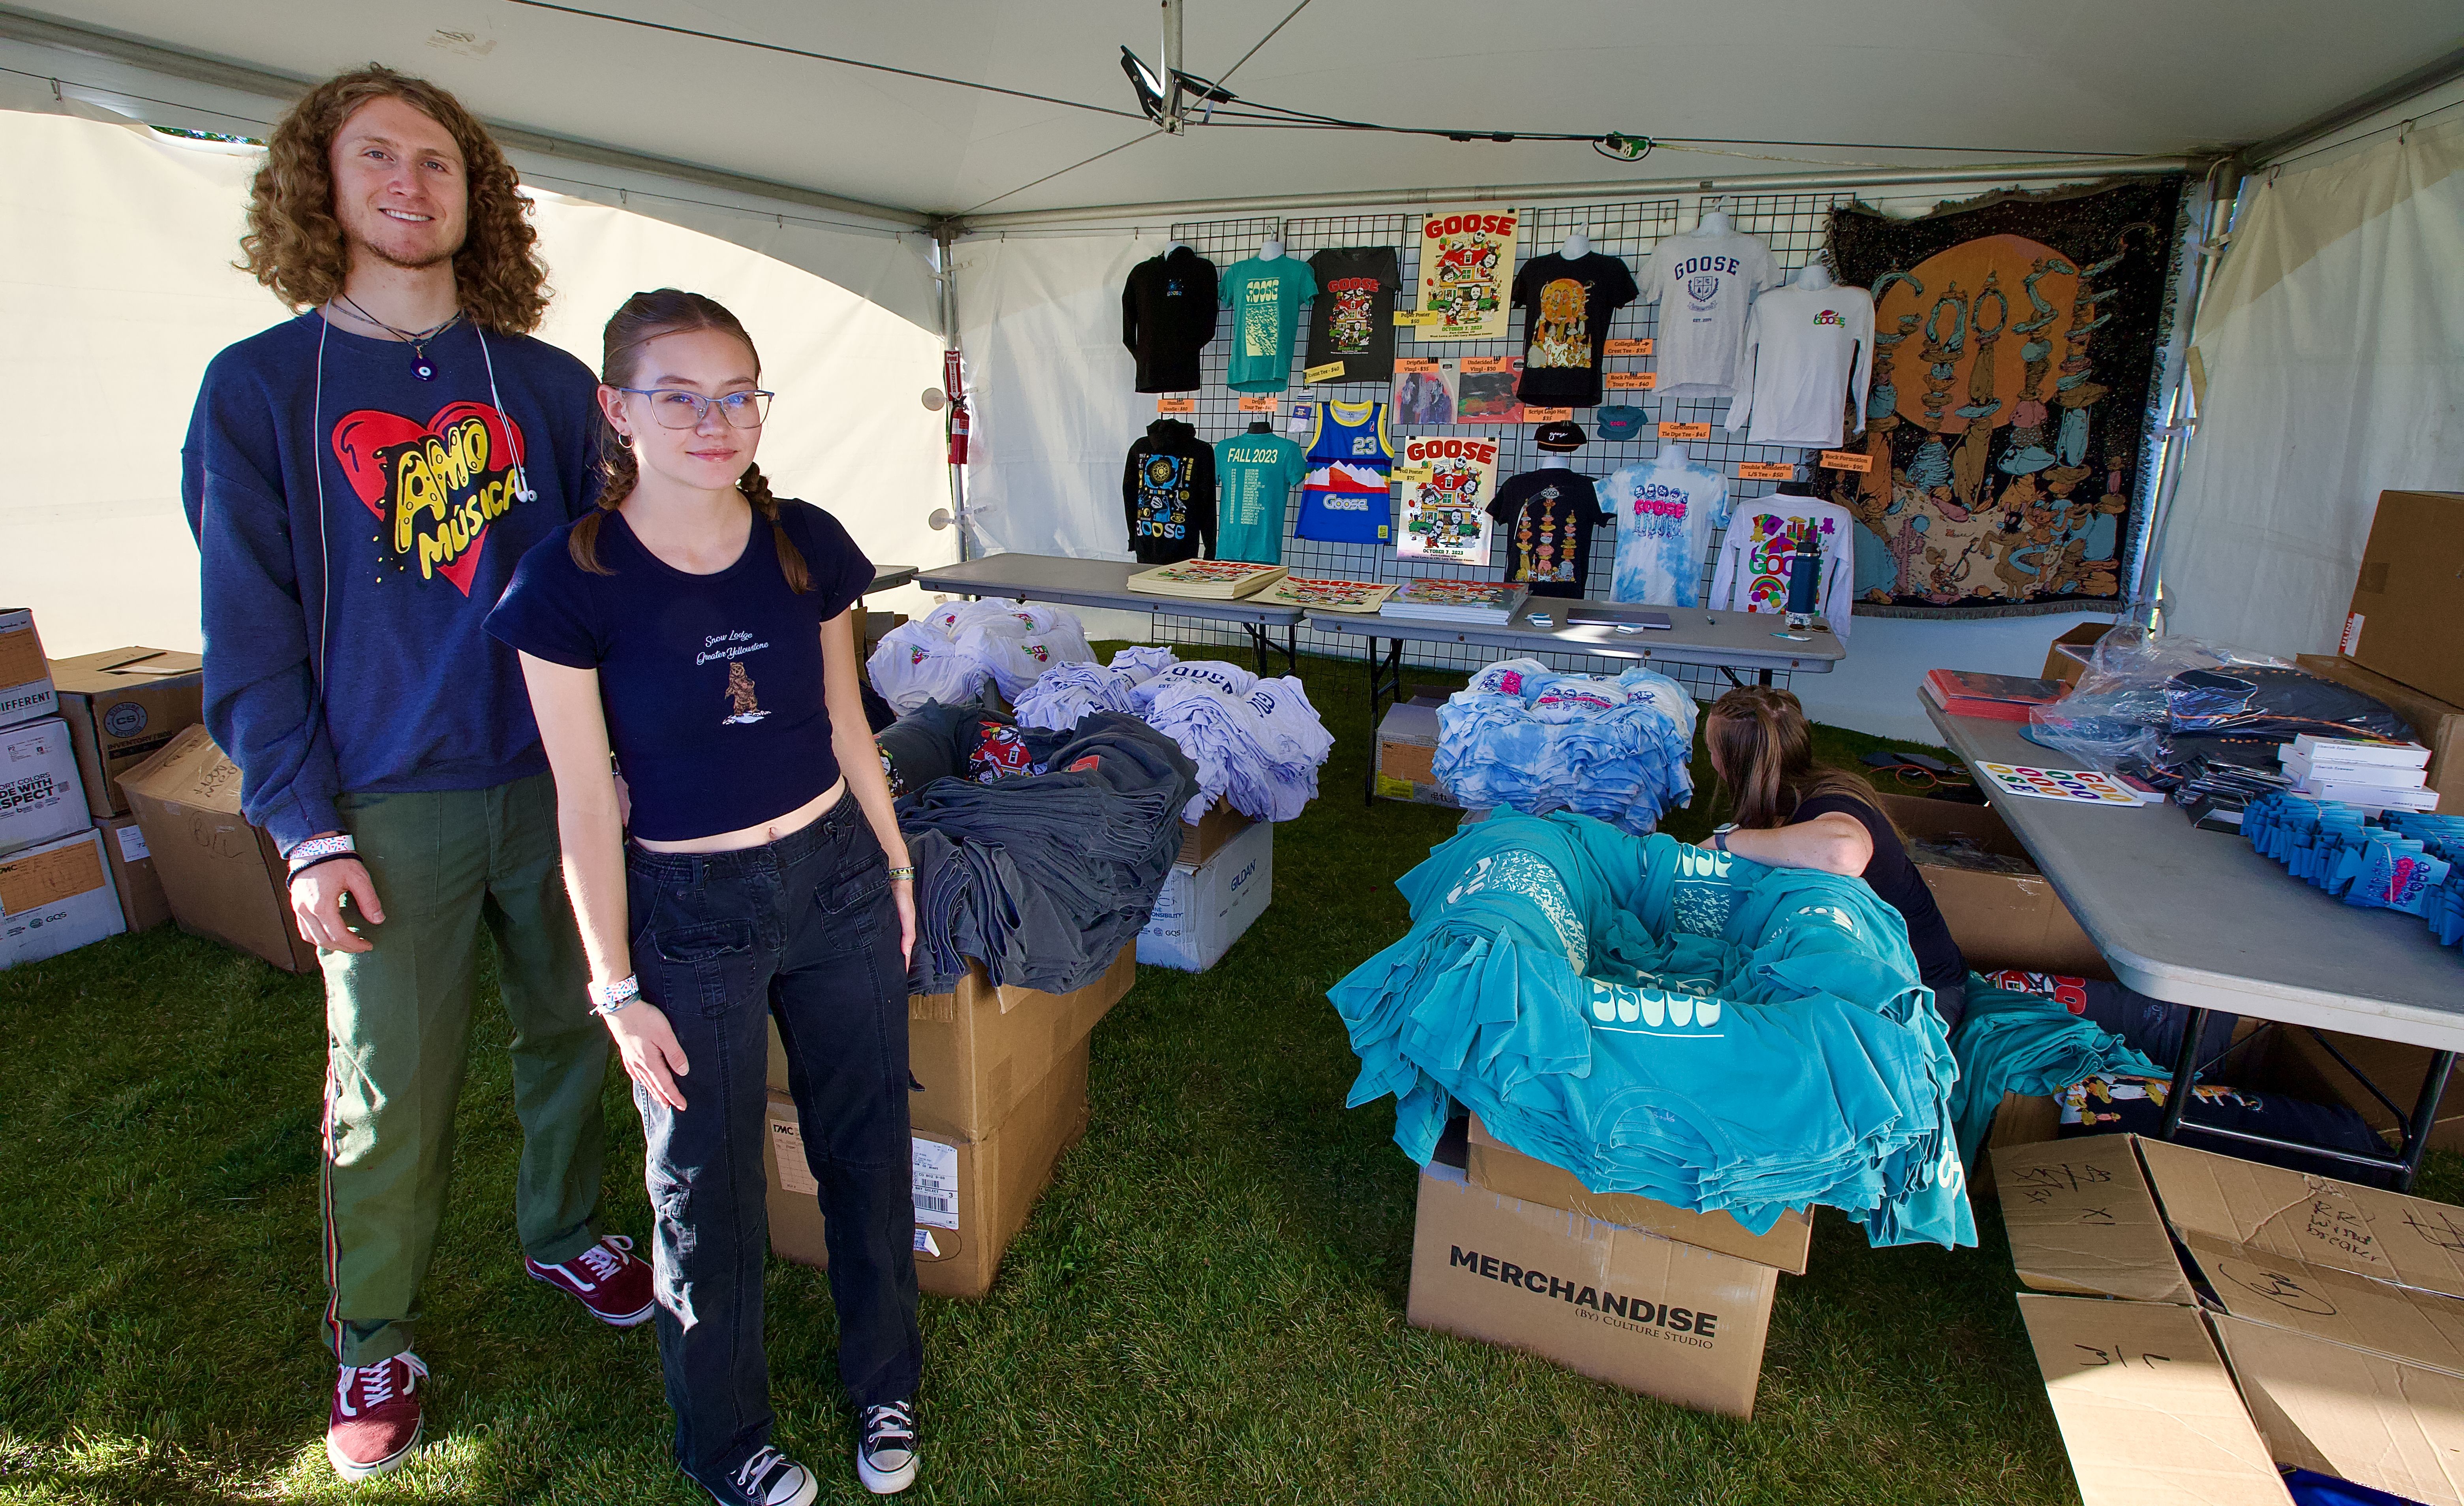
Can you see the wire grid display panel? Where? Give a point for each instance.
(1793, 225)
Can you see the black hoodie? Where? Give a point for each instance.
(1168, 494)
(1167, 317)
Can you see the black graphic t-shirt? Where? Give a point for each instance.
(1167, 318)
(1566, 307)
(1168, 494)
(1546, 520)
(1353, 318)
(713, 683)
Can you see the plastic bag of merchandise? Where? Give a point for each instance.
(915, 663)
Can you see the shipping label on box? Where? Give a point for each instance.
(41, 798)
(143, 904)
(25, 675)
(55, 898)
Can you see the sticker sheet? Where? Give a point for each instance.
(2085, 786)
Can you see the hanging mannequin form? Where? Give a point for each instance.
(1715, 222)
(1271, 249)
(1262, 426)
(1578, 245)
(1170, 246)
(1814, 275)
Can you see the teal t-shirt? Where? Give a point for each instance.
(1265, 299)
(1256, 473)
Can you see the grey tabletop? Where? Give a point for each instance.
(1087, 583)
(2199, 917)
(1738, 639)
(889, 577)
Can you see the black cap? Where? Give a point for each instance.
(1559, 435)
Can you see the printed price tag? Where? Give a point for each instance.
(1258, 403)
(1547, 415)
(1325, 373)
(1421, 363)
(1412, 474)
(1416, 318)
(1846, 461)
(1483, 365)
(1766, 471)
(1685, 431)
(1176, 405)
(1629, 347)
(1629, 381)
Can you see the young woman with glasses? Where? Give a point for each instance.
(697, 626)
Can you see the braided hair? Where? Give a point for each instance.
(644, 317)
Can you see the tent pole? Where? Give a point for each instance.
(944, 237)
(2222, 188)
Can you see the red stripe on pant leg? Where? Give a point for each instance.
(325, 1199)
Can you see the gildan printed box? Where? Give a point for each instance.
(55, 898)
(1622, 1305)
(122, 706)
(1202, 911)
(972, 1195)
(976, 1052)
(41, 798)
(25, 675)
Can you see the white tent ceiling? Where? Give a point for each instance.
(2097, 76)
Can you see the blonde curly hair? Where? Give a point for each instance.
(294, 243)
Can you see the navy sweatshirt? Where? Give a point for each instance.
(421, 530)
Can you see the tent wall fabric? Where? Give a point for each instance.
(2333, 344)
(120, 241)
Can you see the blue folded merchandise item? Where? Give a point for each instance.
(2407, 861)
(2011, 1041)
(1668, 1021)
(1526, 738)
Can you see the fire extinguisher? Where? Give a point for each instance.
(953, 383)
(959, 426)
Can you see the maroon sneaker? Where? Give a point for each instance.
(606, 1279)
(374, 1422)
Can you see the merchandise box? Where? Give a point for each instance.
(1499, 1168)
(1624, 1305)
(121, 707)
(2437, 725)
(25, 675)
(1220, 825)
(1407, 751)
(2340, 1308)
(977, 1052)
(224, 877)
(2066, 660)
(143, 904)
(2403, 623)
(1203, 911)
(972, 1195)
(1999, 920)
(55, 898)
(41, 799)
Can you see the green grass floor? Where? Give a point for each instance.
(1206, 1306)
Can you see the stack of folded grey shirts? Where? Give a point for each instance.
(1038, 853)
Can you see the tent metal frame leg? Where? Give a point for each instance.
(2405, 1161)
(1260, 641)
(1385, 686)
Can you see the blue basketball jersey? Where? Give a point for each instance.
(1344, 498)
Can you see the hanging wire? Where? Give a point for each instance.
(1073, 168)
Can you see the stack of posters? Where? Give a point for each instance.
(1207, 580)
(1481, 603)
(1322, 595)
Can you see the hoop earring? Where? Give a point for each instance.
(624, 440)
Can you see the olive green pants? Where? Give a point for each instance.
(446, 864)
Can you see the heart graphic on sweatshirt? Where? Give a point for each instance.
(433, 487)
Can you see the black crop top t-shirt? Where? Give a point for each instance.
(712, 683)
(1901, 887)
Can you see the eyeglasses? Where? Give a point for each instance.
(674, 408)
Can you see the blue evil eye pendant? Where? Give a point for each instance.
(423, 369)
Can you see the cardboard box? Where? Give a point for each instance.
(41, 798)
(979, 1050)
(972, 1195)
(121, 707)
(55, 898)
(2066, 660)
(2403, 623)
(1999, 920)
(1500, 1168)
(224, 877)
(2340, 1306)
(143, 904)
(2437, 725)
(1203, 911)
(25, 675)
(2021, 1119)
(2301, 1068)
(1220, 825)
(1407, 749)
(1622, 1305)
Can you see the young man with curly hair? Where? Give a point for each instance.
(361, 479)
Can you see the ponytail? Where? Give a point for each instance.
(644, 317)
(1762, 748)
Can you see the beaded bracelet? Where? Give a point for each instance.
(897, 873)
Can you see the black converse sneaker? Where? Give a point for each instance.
(768, 1478)
(885, 1455)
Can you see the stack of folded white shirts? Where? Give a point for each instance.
(949, 655)
(2375, 776)
(1257, 743)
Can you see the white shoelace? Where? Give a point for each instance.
(749, 1474)
(887, 1421)
(377, 1388)
(604, 1262)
